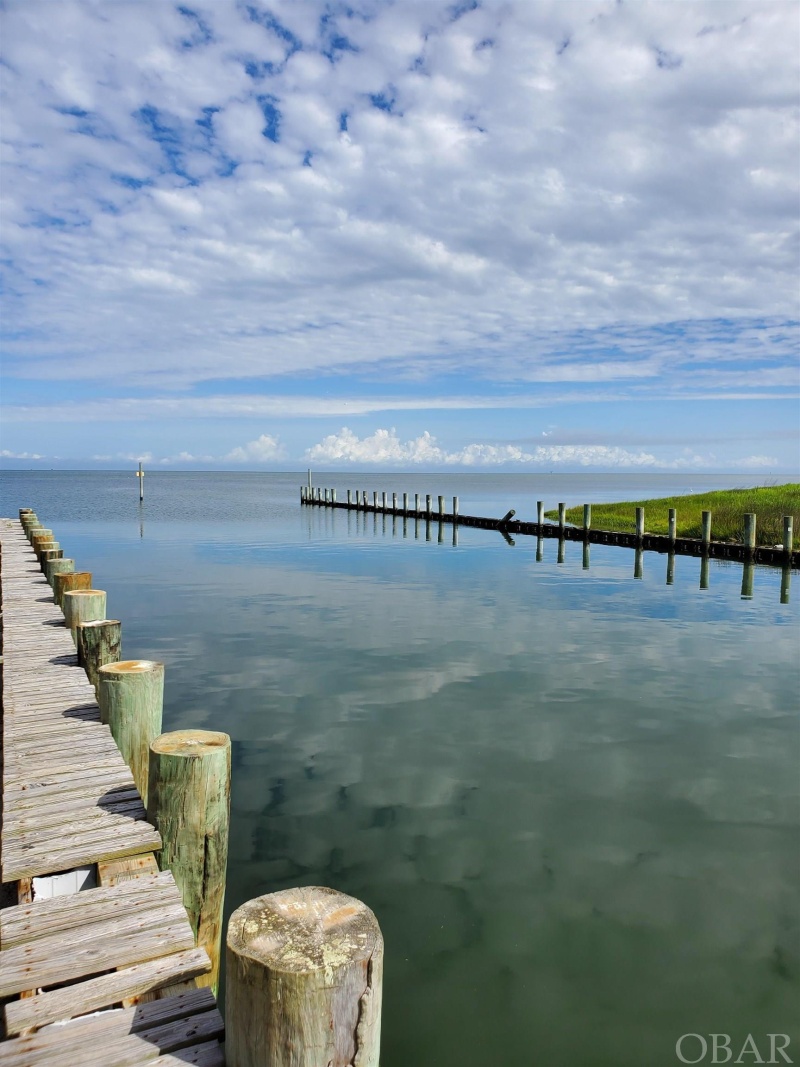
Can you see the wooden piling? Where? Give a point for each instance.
(66, 581)
(539, 549)
(786, 581)
(189, 788)
(455, 507)
(394, 501)
(587, 517)
(131, 699)
(428, 505)
(83, 605)
(49, 553)
(706, 520)
(441, 508)
(405, 503)
(540, 512)
(141, 483)
(638, 563)
(349, 497)
(672, 525)
(639, 523)
(561, 555)
(304, 981)
(704, 572)
(58, 566)
(40, 537)
(671, 568)
(416, 501)
(750, 531)
(586, 556)
(788, 534)
(561, 515)
(99, 642)
(375, 499)
(333, 496)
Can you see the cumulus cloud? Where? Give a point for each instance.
(6, 454)
(755, 462)
(263, 450)
(384, 447)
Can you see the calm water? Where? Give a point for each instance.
(570, 796)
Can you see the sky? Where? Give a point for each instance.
(490, 235)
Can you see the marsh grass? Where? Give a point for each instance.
(727, 506)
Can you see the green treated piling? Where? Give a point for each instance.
(99, 642)
(189, 804)
(83, 605)
(131, 699)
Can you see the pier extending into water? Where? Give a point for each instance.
(507, 525)
(109, 957)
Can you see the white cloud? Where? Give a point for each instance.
(5, 454)
(754, 462)
(263, 450)
(385, 448)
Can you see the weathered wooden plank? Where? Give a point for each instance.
(87, 1034)
(141, 837)
(115, 872)
(91, 796)
(102, 946)
(106, 990)
(28, 922)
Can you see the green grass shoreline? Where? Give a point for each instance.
(727, 506)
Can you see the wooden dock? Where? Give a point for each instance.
(105, 975)
(507, 525)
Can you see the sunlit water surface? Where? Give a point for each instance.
(569, 795)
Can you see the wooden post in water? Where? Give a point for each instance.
(639, 524)
(57, 566)
(188, 802)
(672, 525)
(428, 505)
(441, 509)
(66, 581)
(349, 497)
(416, 502)
(788, 534)
(706, 519)
(141, 483)
(40, 537)
(561, 515)
(99, 642)
(50, 553)
(394, 501)
(455, 508)
(333, 496)
(83, 605)
(749, 532)
(587, 517)
(304, 981)
(405, 503)
(45, 546)
(540, 513)
(131, 699)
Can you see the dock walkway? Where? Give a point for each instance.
(69, 802)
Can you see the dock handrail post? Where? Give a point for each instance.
(131, 699)
(304, 972)
(587, 518)
(441, 508)
(749, 531)
(561, 515)
(53, 567)
(706, 518)
(188, 802)
(639, 524)
(540, 513)
(99, 642)
(83, 605)
(672, 525)
(788, 534)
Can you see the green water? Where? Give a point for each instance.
(569, 795)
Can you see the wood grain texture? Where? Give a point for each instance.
(308, 964)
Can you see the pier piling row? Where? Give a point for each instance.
(780, 555)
